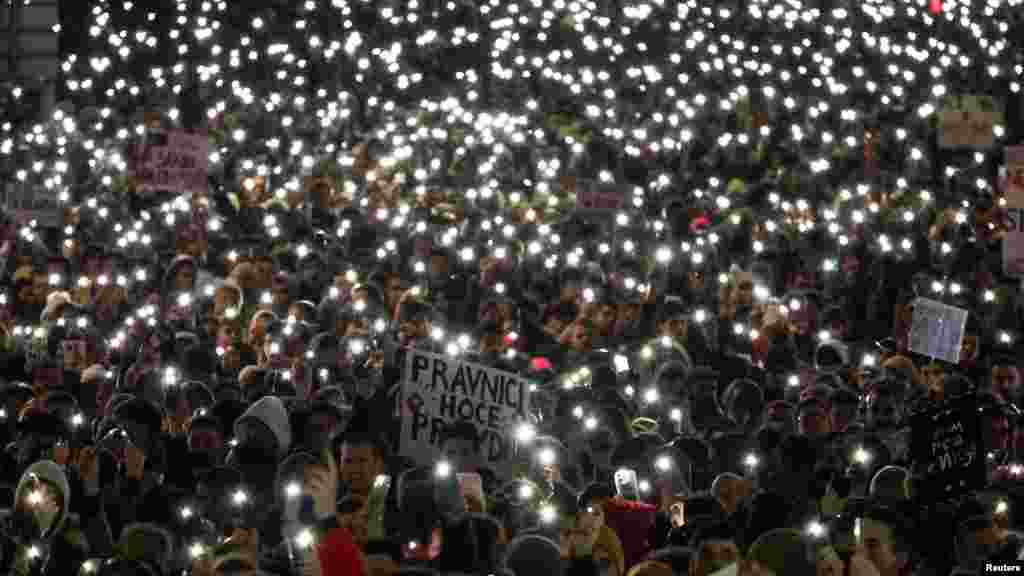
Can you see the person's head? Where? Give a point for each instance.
(780, 552)
(743, 295)
(185, 277)
(813, 418)
(362, 457)
(461, 446)
(715, 547)
(885, 544)
(891, 483)
(1004, 379)
(470, 545)
(729, 489)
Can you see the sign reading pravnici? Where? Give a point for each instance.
(174, 161)
(438, 391)
(946, 453)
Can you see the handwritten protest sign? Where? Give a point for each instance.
(440, 390)
(946, 450)
(173, 161)
(968, 121)
(937, 330)
(594, 197)
(1013, 242)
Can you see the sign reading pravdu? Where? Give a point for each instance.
(968, 121)
(174, 161)
(438, 391)
(1013, 242)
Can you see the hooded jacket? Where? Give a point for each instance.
(271, 412)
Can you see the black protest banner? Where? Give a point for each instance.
(946, 450)
(440, 390)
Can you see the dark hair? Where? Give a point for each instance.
(470, 545)
(594, 491)
(363, 438)
(710, 532)
(383, 547)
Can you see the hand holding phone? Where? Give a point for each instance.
(627, 484)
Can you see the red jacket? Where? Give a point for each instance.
(632, 522)
(339, 555)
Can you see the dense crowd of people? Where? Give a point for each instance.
(704, 236)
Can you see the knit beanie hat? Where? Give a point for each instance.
(783, 551)
(532, 555)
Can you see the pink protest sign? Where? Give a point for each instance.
(1013, 242)
(173, 161)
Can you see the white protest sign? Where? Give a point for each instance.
(174, 161)
(1013, 189)
(441, 390)
(968, 121)
(937, 330)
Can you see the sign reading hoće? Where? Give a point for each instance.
(173, 161)
(1013, 242)
(937, 330)
(946, 450)
(440, 390)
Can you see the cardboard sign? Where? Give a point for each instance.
(946, 451)
(967, 122)
(172, 161)
(441, 390)
(937, 330)
(1013, 186)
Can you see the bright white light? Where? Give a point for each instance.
(443, 469)
(663, 463)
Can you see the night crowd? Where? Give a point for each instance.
(713, 295)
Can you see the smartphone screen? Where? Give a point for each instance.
(627, 484)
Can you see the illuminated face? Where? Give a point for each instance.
(393, 290)
(258, 331)
(675, 328)
(298, 312)
(969, 348)
(360, 466)
(877, 539)
(1003, 381)
(184, 278)
(695, 280)
(744, 295)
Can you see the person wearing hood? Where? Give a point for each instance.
(263, 435)
(40, 536)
